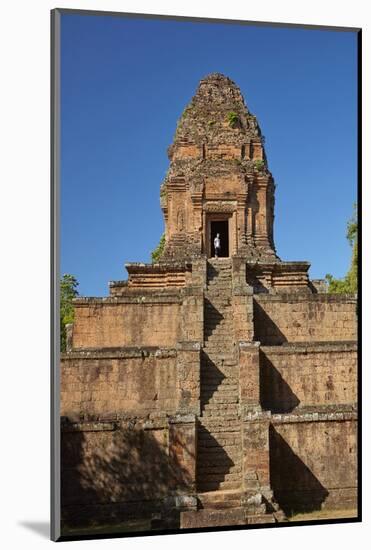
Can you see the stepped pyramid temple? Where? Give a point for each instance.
(211, 391)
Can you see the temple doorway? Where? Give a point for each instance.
(221, 227)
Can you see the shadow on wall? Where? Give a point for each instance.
(211, 378)
(276, 394)
(122, 468)
(252, 280)
(213, 316)
(266, 331)
(295, 487)
(214, 464)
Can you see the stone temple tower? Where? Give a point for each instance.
(218, 180)
(211, 391)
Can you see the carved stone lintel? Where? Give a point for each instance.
(227, 206)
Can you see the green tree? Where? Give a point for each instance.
(349, 284)
(157, 252)
(68, 291)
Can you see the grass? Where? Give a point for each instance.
(324, 514)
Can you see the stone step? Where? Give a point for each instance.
(219, 440)
(214, 443)
(212, 518)
(218, 415)
(220, 371)
(213, 345)
(222, 276)
(212, 456)
(229, 430)
(219, 429)
(213, 356)
(208, 498)
(228, 398)
(221, 321)
(212, 381)
(224, 329)
(219, 402)
(222, 393)
(219, 485)
(210, 362)
(221, 376)
(218, 296)
(220, 318)
(217, 469)
(214, 270)
(213, 388)
(222, 315)
(214, 321)
(219, 449)
(232, 458)
(216, 354)
(219, 262)
(222, 289)
(225, 391)
(220, 478)
(218, 366)
(221, 518)
(215, 300)
(223, 340)
(227, 407)
(225, 435)
(219, 332)
(222, 462)
(227, 353)
(218, 363)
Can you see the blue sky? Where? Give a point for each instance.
(124, 85)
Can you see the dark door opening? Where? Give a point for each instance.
(220, 227)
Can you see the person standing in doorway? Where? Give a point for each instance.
(217, 245)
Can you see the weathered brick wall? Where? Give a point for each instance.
(114, 322)
(104, 383)
(218, 186)
(124, 469)
(303, 375)
(304, 318)
(314, 464)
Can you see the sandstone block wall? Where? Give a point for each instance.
(126, 468)
(308, 375)
(256, 454)
(138, 321)
(313, 464)
(114, 383)
(304, 318)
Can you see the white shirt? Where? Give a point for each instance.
(217, 242)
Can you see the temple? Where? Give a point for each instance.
(211, 391)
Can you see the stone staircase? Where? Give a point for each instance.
(219, 466)
(221, 500)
